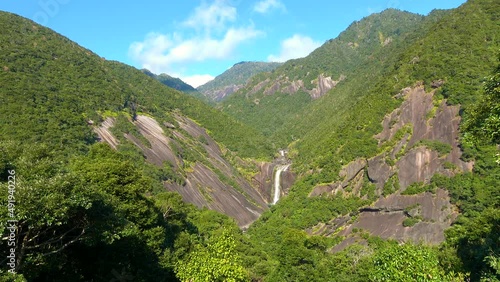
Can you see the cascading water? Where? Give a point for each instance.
(277, 182)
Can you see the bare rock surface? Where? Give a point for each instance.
(258, 87)
(352, 174)
(104, 133)
(412, 158)
(160, 150)
(379, 171)
(285, 85)
(264, 180)
(204, 189)
(324, 84)
(420, 164)
(219, 94)
(386, 219)
(352, 169)
(202, 186)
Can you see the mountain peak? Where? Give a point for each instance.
(234, 78)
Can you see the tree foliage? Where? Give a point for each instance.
(217, 261)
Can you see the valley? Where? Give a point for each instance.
(374, 158)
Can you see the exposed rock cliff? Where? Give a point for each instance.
(105, 134)
(418, 140)
(212, 182)
(431, 215)
(233, 79)
(265, 178)
(284, 85)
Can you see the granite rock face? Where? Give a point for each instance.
(204, 185)
(104, 133)
(264, 180)
(408, 152)
(379, 171)
(283, 84)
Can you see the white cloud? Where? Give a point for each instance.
(197, 79)
(160, 52)
(212, 38)
(265, 6)
(297, 46)
(211, 17)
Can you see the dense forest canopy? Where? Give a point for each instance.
(76, 209)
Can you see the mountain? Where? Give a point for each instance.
(233, 79)
(383, 153)
(273, 102)
(170, 81)
(96, 145)
(176, 83)
(386, 139)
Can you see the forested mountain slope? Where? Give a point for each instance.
(392, 130)
(86, 210)
(172, 82)
(383, 149)
(233, 79)
(80, 82)
(275, 102)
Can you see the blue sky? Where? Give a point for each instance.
(199, 39)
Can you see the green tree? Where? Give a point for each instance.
(484, 121)
(217, 261)
(409, 262)
(83, 220)
(478, 244)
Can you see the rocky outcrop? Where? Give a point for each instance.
(214, 184)
(352, 169)
(352, 174)
(379, 171)
(293, 87)
(324, 84)
(234, 78)
(418, 165)
(405, 156)
(160, 150)
(245, 208)
(428, 120)
(204, 188)
(264, 180)
(283, 84)
(104, 133)
(387, 218)
(258, 87)
(220, 94)
(434, 214)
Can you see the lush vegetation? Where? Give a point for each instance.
(90, 218)
(87, 212)
(296, 115)
(328, 133)
(64, 85)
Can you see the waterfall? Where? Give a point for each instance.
(277, 182)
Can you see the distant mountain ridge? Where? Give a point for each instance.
(234, 78)
(271, 102)
(176, 83)
(170, 81)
